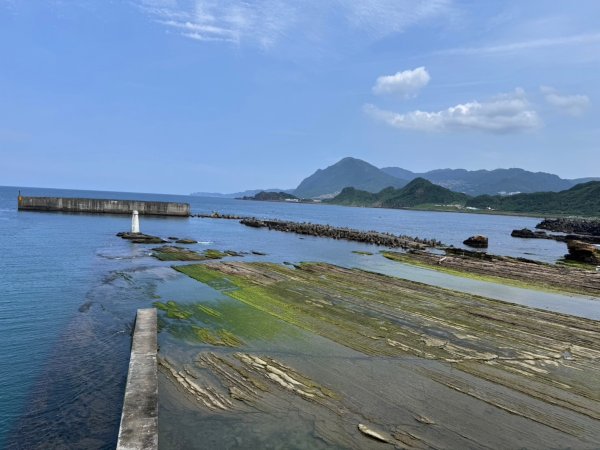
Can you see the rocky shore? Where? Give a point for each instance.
(571, 225)
(526, 233)
(367, 237)
(429, 368)
(517, 271)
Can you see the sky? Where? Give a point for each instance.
(178, 96)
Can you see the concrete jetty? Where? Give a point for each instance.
(102, 206)
(139, 420)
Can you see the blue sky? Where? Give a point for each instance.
(178, 96)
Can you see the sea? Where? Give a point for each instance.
(69, 289)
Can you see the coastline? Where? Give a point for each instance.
(425, 208)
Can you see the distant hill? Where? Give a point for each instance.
(418, 192)
(582, 200)
(248, 193)
(347, 172)
(271, 196)
(490, 182)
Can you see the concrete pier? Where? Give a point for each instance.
(139, 420)
(102, 206)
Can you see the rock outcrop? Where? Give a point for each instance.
(571, 225)
(477, 241)
(583, 252)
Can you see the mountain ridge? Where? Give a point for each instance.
(346, 172)
(582, 199)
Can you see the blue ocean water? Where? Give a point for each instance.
(69, 290)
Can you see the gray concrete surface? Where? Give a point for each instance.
(139, 419)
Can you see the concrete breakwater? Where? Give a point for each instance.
(367, 237)
(102, 206)
(139, 420)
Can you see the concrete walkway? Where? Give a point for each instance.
(139, 420)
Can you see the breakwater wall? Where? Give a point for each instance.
(139, 420)
(349, 234)
(102, 206)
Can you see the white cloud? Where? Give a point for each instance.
(505, 113)
(513, 47)
(266, 22)
(405, 84)
(574, 105)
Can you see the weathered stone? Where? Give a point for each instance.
(571, 225)
(582, 252)
(477, 241)
(186, 241)
(141, 238)
(526, 233)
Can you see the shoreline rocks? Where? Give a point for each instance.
(141, 238)
(582, 252)
(477, 241)
(571, 225)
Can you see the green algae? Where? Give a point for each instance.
(209, 311)
(385, 316)
(174, 253)
(173, 310)
(363, 253)
(221, 337)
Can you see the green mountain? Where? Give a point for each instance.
(418, 192)
(490, 182)
(347, 172)
(582, 200)
(271, 196)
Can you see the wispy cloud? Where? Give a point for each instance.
(404, 84)
(574, 105)
(506, 113)
(512, 47)
(267, 22)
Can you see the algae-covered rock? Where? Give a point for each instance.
(186, 241)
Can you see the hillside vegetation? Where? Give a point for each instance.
(416, 193)
(581, 200)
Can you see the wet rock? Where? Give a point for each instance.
(377, 435)
(582, 252)
(526, 233)
(186, 241)
(140, 238)
(477, 241)
(571, 225)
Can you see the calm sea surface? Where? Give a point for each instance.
(69, 290)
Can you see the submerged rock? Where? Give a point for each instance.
(186, 241)
(477, 241)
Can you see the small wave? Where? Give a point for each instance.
(205, 242)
